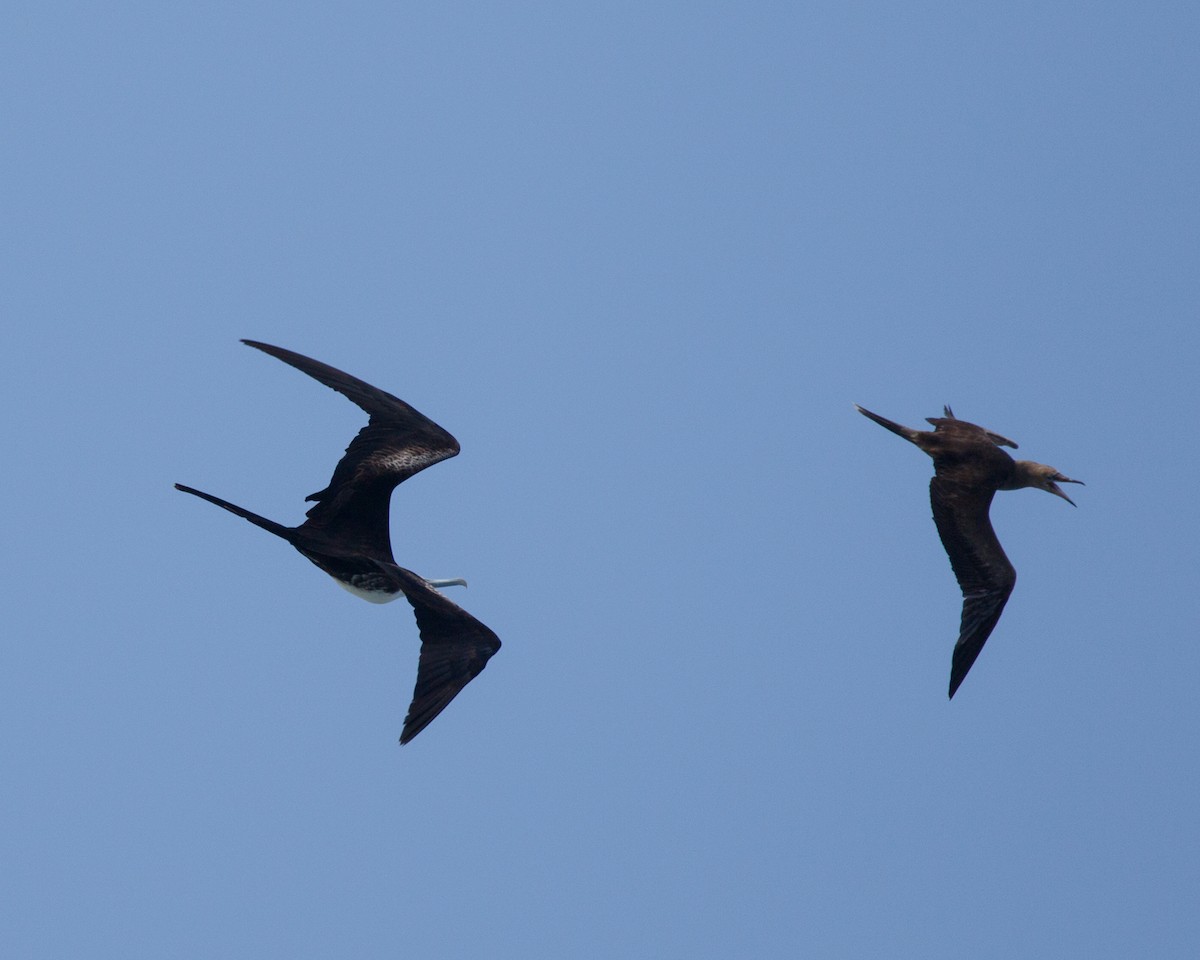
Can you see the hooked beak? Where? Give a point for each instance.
(1054, 489)
(457, 582)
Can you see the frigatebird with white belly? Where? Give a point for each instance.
(347, 533)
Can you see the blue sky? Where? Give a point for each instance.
(640, 259)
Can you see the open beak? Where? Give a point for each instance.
(1054, 488)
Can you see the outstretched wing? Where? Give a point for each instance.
(983, 571)
(397, 442)
(455, 647)
(951, 422)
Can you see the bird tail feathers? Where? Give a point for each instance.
(270, 525)
(908, 433)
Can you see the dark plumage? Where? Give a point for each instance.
(969, 467)
(455, 647)
(347, 533)
(350, 517)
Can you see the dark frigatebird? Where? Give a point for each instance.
(347, 534)
(969, 467)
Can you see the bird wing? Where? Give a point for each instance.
(455, 647)
(951, 423)
(983, 571)
(397, 442)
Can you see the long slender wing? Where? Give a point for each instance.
(397, 442)
(951, 422)
(455, 647)
(983, 571)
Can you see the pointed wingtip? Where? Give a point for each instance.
(267, 348)
(958, 673)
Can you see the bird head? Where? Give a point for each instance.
(1044, 478)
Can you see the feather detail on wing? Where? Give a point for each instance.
(983, 571)
(397, 442)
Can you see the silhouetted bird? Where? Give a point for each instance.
(347, 534)
(969, 467)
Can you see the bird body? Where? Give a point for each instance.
(356, 571)
(969, 467)
(346, 534)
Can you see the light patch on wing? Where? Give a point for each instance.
(403, 460)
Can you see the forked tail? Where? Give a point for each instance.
(270, 525)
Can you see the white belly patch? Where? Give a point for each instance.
(371, 596)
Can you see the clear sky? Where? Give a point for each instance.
(640, 259)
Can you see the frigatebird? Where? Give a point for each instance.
(347, 534)
(969, 467)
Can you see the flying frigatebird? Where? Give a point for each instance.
(347, 534)
(969, 467)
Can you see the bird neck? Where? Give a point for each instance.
(1024, 474)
